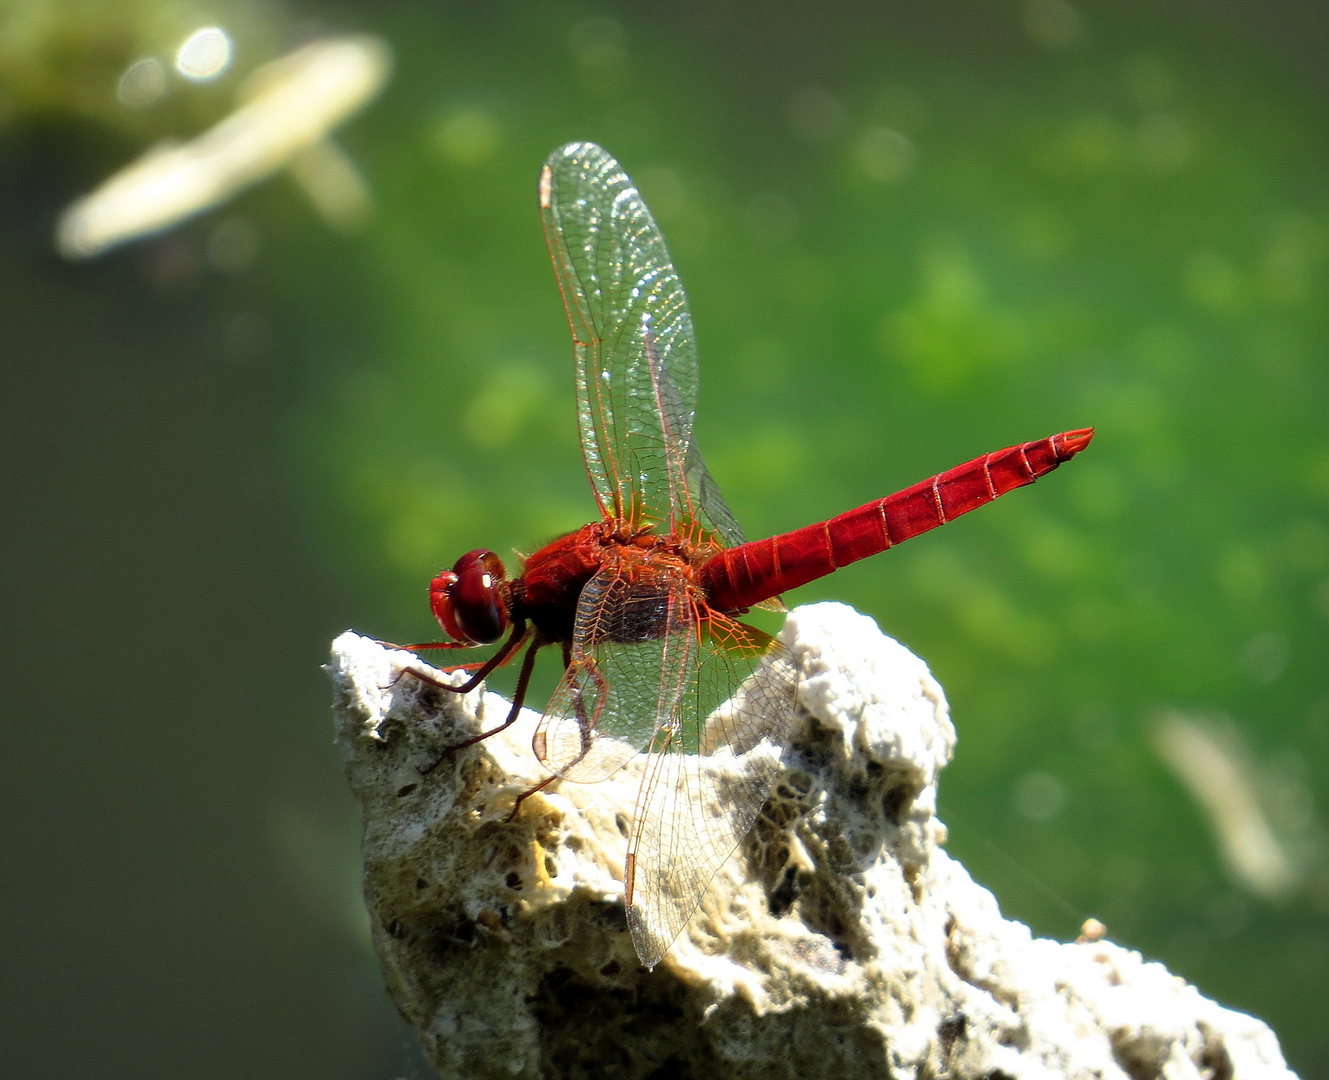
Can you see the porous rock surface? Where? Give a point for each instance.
(839, 941)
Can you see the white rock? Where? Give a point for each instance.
(839, 941)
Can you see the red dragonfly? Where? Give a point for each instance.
(642, 601)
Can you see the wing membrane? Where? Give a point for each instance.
(632, 655)
(708, 776)
(711, 700)
(636, 352)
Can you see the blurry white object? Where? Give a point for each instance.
(286, 109)
(142, 84)
(204, 54)
(1215, 767)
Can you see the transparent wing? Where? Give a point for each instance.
(711, 700)
(633, 653)
(636, 353)
(708, 776)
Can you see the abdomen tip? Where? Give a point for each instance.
(1070, 443)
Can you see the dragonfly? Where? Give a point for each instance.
(644, 602)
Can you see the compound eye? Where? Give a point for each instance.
(478, 597)
(440, 602)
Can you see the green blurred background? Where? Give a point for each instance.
(911, 233)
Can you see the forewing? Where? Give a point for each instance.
(709, 773)
(636, 353)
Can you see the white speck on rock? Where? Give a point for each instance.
(839, 941)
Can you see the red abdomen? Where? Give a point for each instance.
(742, 576)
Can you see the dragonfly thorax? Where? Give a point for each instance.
(470, 601)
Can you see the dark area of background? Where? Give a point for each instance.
(910, 233)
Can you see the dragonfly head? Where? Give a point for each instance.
(470, 601)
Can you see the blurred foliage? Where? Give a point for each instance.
(908, 238)
(64, 60)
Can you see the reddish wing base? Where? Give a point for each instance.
(742, 577)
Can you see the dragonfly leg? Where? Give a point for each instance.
(496, 661)
(486, 666)
(424, 645)
(585, 727)
(586, 724)
(518, 696)
(421, 646)
(516, 807)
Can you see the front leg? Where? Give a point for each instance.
(518, 697)
(500, 658)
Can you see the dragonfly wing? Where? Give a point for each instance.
(636, 351)
(711, 701)
(630, 648)
(706, 504)
(710, 771)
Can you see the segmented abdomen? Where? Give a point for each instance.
(742, 576)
